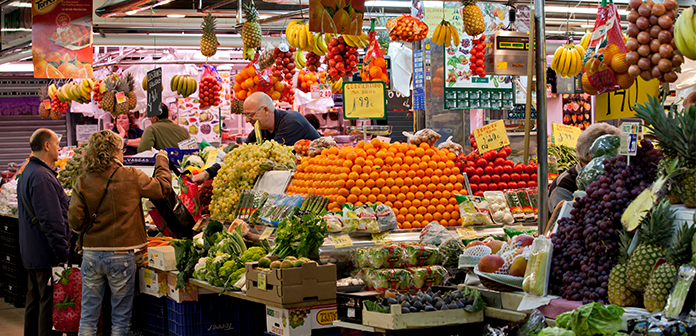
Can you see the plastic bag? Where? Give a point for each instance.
(391, 278)
(387, 256)
(209, 88)
(360, 219)
(266, 57)
(245, 82)
(536, 276)
(451, 146)
(334, 222)
(591, 172)
(607, 29)
(374, 58)
(316, 146)
(265, 80)
(451, 249)
(434, 234)
(424, 277)
(469, 212)
(189, 196)
(425, 135)
(386, 218)
(420, 255)
(605, 145)
(406, 28)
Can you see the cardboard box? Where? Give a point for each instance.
(161, 258)
(188, 293)
(293, 285)
(299, 321)
(153, 282)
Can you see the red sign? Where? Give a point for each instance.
(62, 38)
(336, 16)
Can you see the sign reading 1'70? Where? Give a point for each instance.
(364, 100)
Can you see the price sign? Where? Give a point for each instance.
(47, 104)
(261, 283)
(342, 240)
(629, 139)
(620, 104)
(382, 238)
(364, 100)
(466, 233)
(154, 92)
(491, 136)
(266, 233)
(320, 91)
(120, 97)
(565, 134)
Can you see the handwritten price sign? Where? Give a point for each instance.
(342, 240)
(364, 100)
(565, 134)
(491, 136)
(321, 91)
(382, 238)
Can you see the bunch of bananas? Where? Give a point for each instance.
(358, 41)
(567, 60)
(184, 85)
(248, 53)
(299, 36)
(685, 33)
(300, 61)
(321, 43)
(446, 33)
(73, 91)
(337, 86)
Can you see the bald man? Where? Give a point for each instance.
(285, 127)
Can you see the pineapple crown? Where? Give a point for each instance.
(656, 226)
(43, 92)
(130, 81)
(624, 244)
(209, 23)
(679, 252)
(122, 85)
(110, 83)
(469, 2)
(250, 11)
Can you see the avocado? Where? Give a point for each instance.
(298, 263)
(275, 264)
(286, 264)
(264, 262)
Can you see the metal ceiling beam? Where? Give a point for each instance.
(217, 5)
(120, 9)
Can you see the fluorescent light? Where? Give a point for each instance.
(133, 12)
(9, 67)
(20, 4)
(176, 16)
(579, 10)
(175, 35)
(16, 29)
(383, 3)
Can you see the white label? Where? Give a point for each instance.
(189, 143)
(351, 312)
(83, 132)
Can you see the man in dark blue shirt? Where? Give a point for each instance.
(285, 127)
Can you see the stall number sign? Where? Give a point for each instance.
(320, 91)
(565, 134)
(382, 238)
(342, 240)
(466, 233)
(491, 136)
(364, 100)
(629, 139)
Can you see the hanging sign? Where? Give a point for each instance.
(364, 100)
(565, 134)
(491, 136)
(620, 104)
(336, 17)
(62, 38)
(434, 15)
(154, 92)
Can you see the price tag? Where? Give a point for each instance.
(501, 65)
(189, 143)
(320, 91)
(120, 97)
(382, 238)
(467, 232)
(565, 134)
(47, 104)
(491, 136)
(364, 100)
(342, 240)
(261, 283)
(266, 233)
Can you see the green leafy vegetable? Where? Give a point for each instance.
(592, 319)
(300, 236)
(556, 331)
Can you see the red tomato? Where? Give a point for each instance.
(499, 170)
(486, 179)
(499, 161)
(533, 177)
(489, 170)
(514, 177)
(508, 150)
(474, 179)
(474, 187)
(470, 171)
(512, 185)
(493, 186)
(482, 162)
(524, 177)
(479, 171)
(519, 168)
(505, 177)
(532, 184)
(522, 184)
(502, 185)
(508, 169)
(509, 162)
(502, 154)
(530, 169)
(479, 194)
(483, 187)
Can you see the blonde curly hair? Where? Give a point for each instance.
(100, 152)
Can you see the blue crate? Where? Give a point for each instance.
(214, 315)
(150, 315)
(176, 154)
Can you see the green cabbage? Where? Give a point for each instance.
(556, 331)
(592, 319)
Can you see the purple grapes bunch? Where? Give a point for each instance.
(586, 243)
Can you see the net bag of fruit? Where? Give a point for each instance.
(246, 81)
(606, 41)
(406, 28)
(209, 88)
(374, 65)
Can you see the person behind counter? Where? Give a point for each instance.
(285, 127)
(564, 185)
(127, 129)
(162, 133)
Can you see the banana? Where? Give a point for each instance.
(556, 58)
(349, 41)
(289, 32)
(358, 42)
(687, 32)
(578, 68)
(364, 37)
(572, 65)
(302, 36)
(455, 35)
(51, 90)
(561, 62)
(327, 38)
(580, 50)
(173, 82)
(448, 36)
(321, 45)
(436, 34)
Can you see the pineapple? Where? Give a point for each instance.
(43, 95)
(108, 96)
(55, 114)
(662, 279)
(472, 16)
(618, 293)
(237, 106)
(251, 30)
(655, 231)
(132, 98)
(209, 42)
(676, 134)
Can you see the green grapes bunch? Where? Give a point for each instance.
(242, 167)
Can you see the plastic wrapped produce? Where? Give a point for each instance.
(360, 219)
(391, 278)
(420, 255)
(451, 146)
(424, 277)
(334, 221)
(469, 212)
(591, 172)
(498, 207)
(386, 218)
(537, 274)
(425, 135)
(605, 145)
(450, 250)
(434, 234)
(318, 145)
(387, 256)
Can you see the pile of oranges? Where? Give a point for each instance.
(418, 182)
(374, 70)
(247, 82)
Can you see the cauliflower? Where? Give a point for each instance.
(253, 254)
(198, 240)
(200, 270)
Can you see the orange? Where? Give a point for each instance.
(450, 164)
(408, 181)
(435, 179)
(418, 217)
(400, 218)
(421, 167)
(352, 198)
(391, 197)
(355, 191)
(367, 169)
(341, 183)
(347, 163)
(365, 191)
(379, 182)
(440, 208)
(394, 190)
(419, 151)
(411, 173)
(416, 225)
(441, 165)
(374, 175)
(340, 200)
(378, 162)
(440, 187)
(422, 210)
(343, 192)
(370, 183)
(438, 195)
(416, 160)
(401, 197)
(452, 179)
(449, 186)
(364, 176)
(453, 201)
(432, 187)
(428, 196)
(422, 188)
(458, 186)
(409, 218)
(411, 153)
(432, 165)
(420, 195)
(396, 167)
(456, 171)
(384, 191)
(410, 196)
(406, 225)
(444, 222)
(350, 184)
(393, 174)
(362, 199)
(375, 191)
(399, 181)
(351, 156)
(383, 174)
(416, 203)
(446, 216)
(432, 209)
(407, 204)
(453, 222)
(437, 172)
(389, 160)
(429, 172)
(428, 217)
(403, 173)
(398, 204)
(389, 182)
(437, 216)
(427, 180)
(356, 169)
(403, 211)
(371, 198)
(413, 188)
(360, 183)
(444, 201)
(417, 180)
(404, 189)
(389, 204)
(460, 178)
(455, 214)
(360, 161)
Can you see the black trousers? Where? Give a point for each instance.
(38, 315)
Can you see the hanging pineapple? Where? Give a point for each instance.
(43, 94)
(472, 16)
(108, 93)
(237, 106)
(209, 42)
(132, 98)
(251, 30)
(123, 107)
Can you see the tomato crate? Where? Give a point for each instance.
(215, 315)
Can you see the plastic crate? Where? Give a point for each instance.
(176, 154)
(215, 315)
(150, 315)
(349, 306)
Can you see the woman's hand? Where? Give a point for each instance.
(201, 177)
(121, 131)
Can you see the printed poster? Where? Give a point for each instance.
(205, 124)
(336, 16)
(62, 38)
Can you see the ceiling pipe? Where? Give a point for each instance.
(121, 8)
(217, 5)
(15, 56)
(174, 41)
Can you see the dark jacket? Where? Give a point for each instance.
(563, 187)
(133, 133)
(49, 203)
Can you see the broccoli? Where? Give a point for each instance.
(227, 269)
(253, 254)
(234, 277)
(213, 269)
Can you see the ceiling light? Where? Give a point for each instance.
(23, 67)
(382, 3)
(173, 16)
(20, 4)
(133, 12)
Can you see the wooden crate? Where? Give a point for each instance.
(399, 321)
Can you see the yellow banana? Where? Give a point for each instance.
(365, 38)
(448, 36)
(578, 66)
(580, 49)
(455, 35)
(571, 63)
(561, 62)
(556, 59)
(327, 38)
(349, 41)
(321, 39)
(436, 34)
(568, 63)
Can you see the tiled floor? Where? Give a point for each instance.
(11, 319)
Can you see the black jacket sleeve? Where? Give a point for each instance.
(213, 170)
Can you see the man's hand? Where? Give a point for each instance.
(201, 177)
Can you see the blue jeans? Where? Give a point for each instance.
(117, 269)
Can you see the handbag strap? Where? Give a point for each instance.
(34, 220)
(94, 215)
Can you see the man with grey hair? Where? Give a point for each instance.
(564, 185)
(285, 127)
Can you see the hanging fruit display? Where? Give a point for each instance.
(446, 33)
(58, 108)
(184, 85)
(585, 40)
(97, 93)
(299, 36)
(45, 104)
(266, 58)
(321, 44)
(251, 30)
(245, 82)
(651, 42)
(375, 70)
(342, 59)
(209, 42)
(685, 32)
(116, 91)
(237, 106)
(358, 41)
(567, 60)
(284, 66)
(472, 18)
(209, 93)
(300, 61)
(408, 28)
(313, 61)
(305, 80)
(477, 61)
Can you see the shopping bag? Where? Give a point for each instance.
(189, 196)
(606, 41)
(67, 299)
(374, 66)
(173, 212)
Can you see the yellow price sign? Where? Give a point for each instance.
(565, 134)
(266, 233)
(620, 104)
(491, 136)
(342, 240)
(364, 100)
(382, 238)
(467, 233)
(261, 283)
